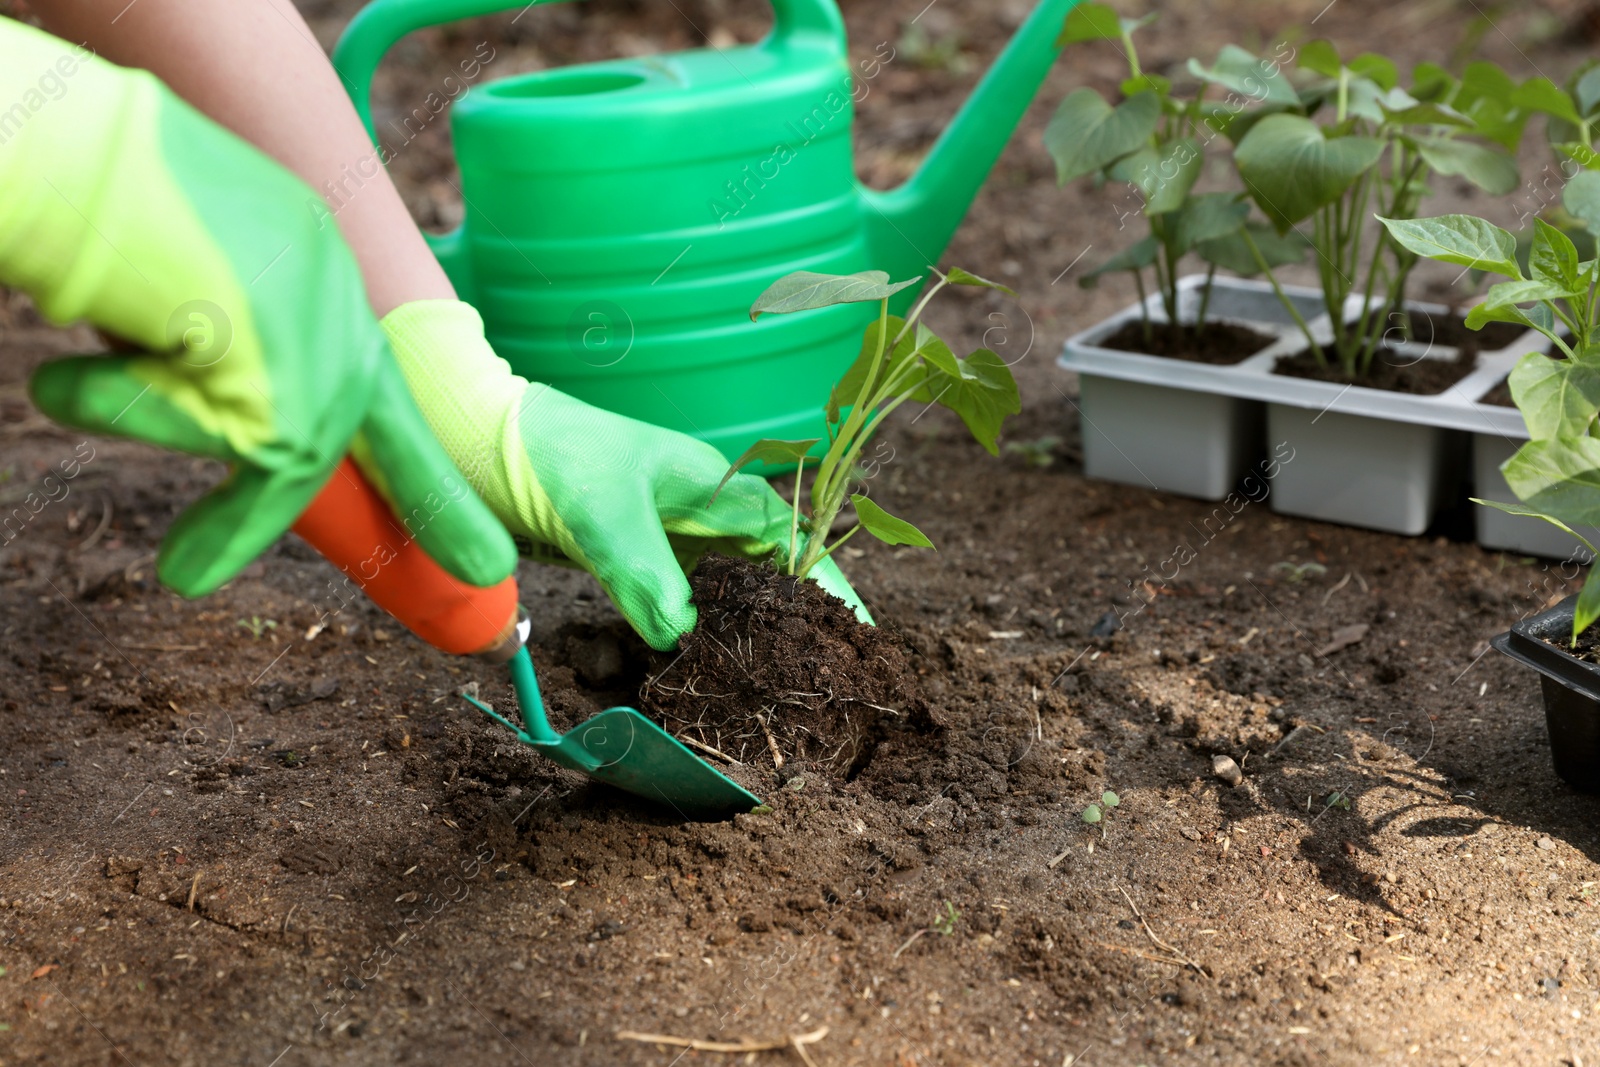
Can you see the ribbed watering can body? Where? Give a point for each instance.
(621, 217)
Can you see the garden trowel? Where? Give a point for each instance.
(622, 748)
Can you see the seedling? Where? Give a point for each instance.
(1295, 573)
(901, 360)
(257, 625)
(1556, 473)
(1338, 800)
(1156, 143)
(1037, 453)
(1377, 150)
(1095, 814)
(944, 924)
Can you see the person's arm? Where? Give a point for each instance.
(254, 67)
(250, 337)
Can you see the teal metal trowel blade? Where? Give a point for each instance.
(622, 748)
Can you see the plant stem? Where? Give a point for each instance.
(1205, 302)
(1283, 298)
(794, 521)
(842, 539)
(1144, 308)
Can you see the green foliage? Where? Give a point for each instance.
(1096, 813)
(1040, 452)
(1316, 150)
(1556, 474)
(944, 924)
(1338, 800)
(900, 360)
(257, 625)
(1354, 142)
(1156, 144)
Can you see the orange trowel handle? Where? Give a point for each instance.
(352, 526)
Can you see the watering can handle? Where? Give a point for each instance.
(381, 23)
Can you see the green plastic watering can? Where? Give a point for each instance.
(621, 217)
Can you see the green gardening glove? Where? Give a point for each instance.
(122, 205)
(624, 500)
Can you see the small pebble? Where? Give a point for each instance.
(1546, 844)
(1224, 767)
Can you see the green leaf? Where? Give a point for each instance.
(1087, 134)
(1206, 218)
(1431, 82)
(1524, 292)
(1136, 256)
(804, 290)
(1559, 476)
(1110, 799)
(1465, 240)
(1554, 259)
(1587, 609)
(936, 352)
(1587, 90)
(1258, 80)
(1543, 95)
(983, 396)
(1399, 106)
(1491, 171)
(1154, 83)
(1480, 81)
(1090, 22)
(1537, 317)
(766, 450)
(957, 276)
(1091, 814)
(1291, 168)
(1162, 175)
(885, 527)
(848, 387)
(1232, 254)
(1378, 68)
(1320, 57)
(1581, 197)
(1557, 397)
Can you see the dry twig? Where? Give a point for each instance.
(794, 1041)
(1162, 945)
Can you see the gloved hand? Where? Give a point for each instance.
(624, 500)
(122, 205)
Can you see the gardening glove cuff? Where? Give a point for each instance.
(628, 502)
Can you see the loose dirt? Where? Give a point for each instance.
(1396, 371)
(208, 855)
(778, 669)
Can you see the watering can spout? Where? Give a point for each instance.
(908, 227)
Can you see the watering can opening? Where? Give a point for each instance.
(568, 82)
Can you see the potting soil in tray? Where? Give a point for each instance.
(1220, 344)
(1453, 332)
(1587, 649)
(779, 671)
(1390, 369)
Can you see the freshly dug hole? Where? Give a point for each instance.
(776, 664)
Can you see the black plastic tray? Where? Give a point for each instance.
(1571, 691)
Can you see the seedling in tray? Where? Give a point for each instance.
(901, 360)
(1557, 473)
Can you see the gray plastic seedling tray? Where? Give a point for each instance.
(1348, 454)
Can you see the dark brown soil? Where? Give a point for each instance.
(1449, 331)
(1220, 343)
(779, 672)
(380, 876)
(1391, 370)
